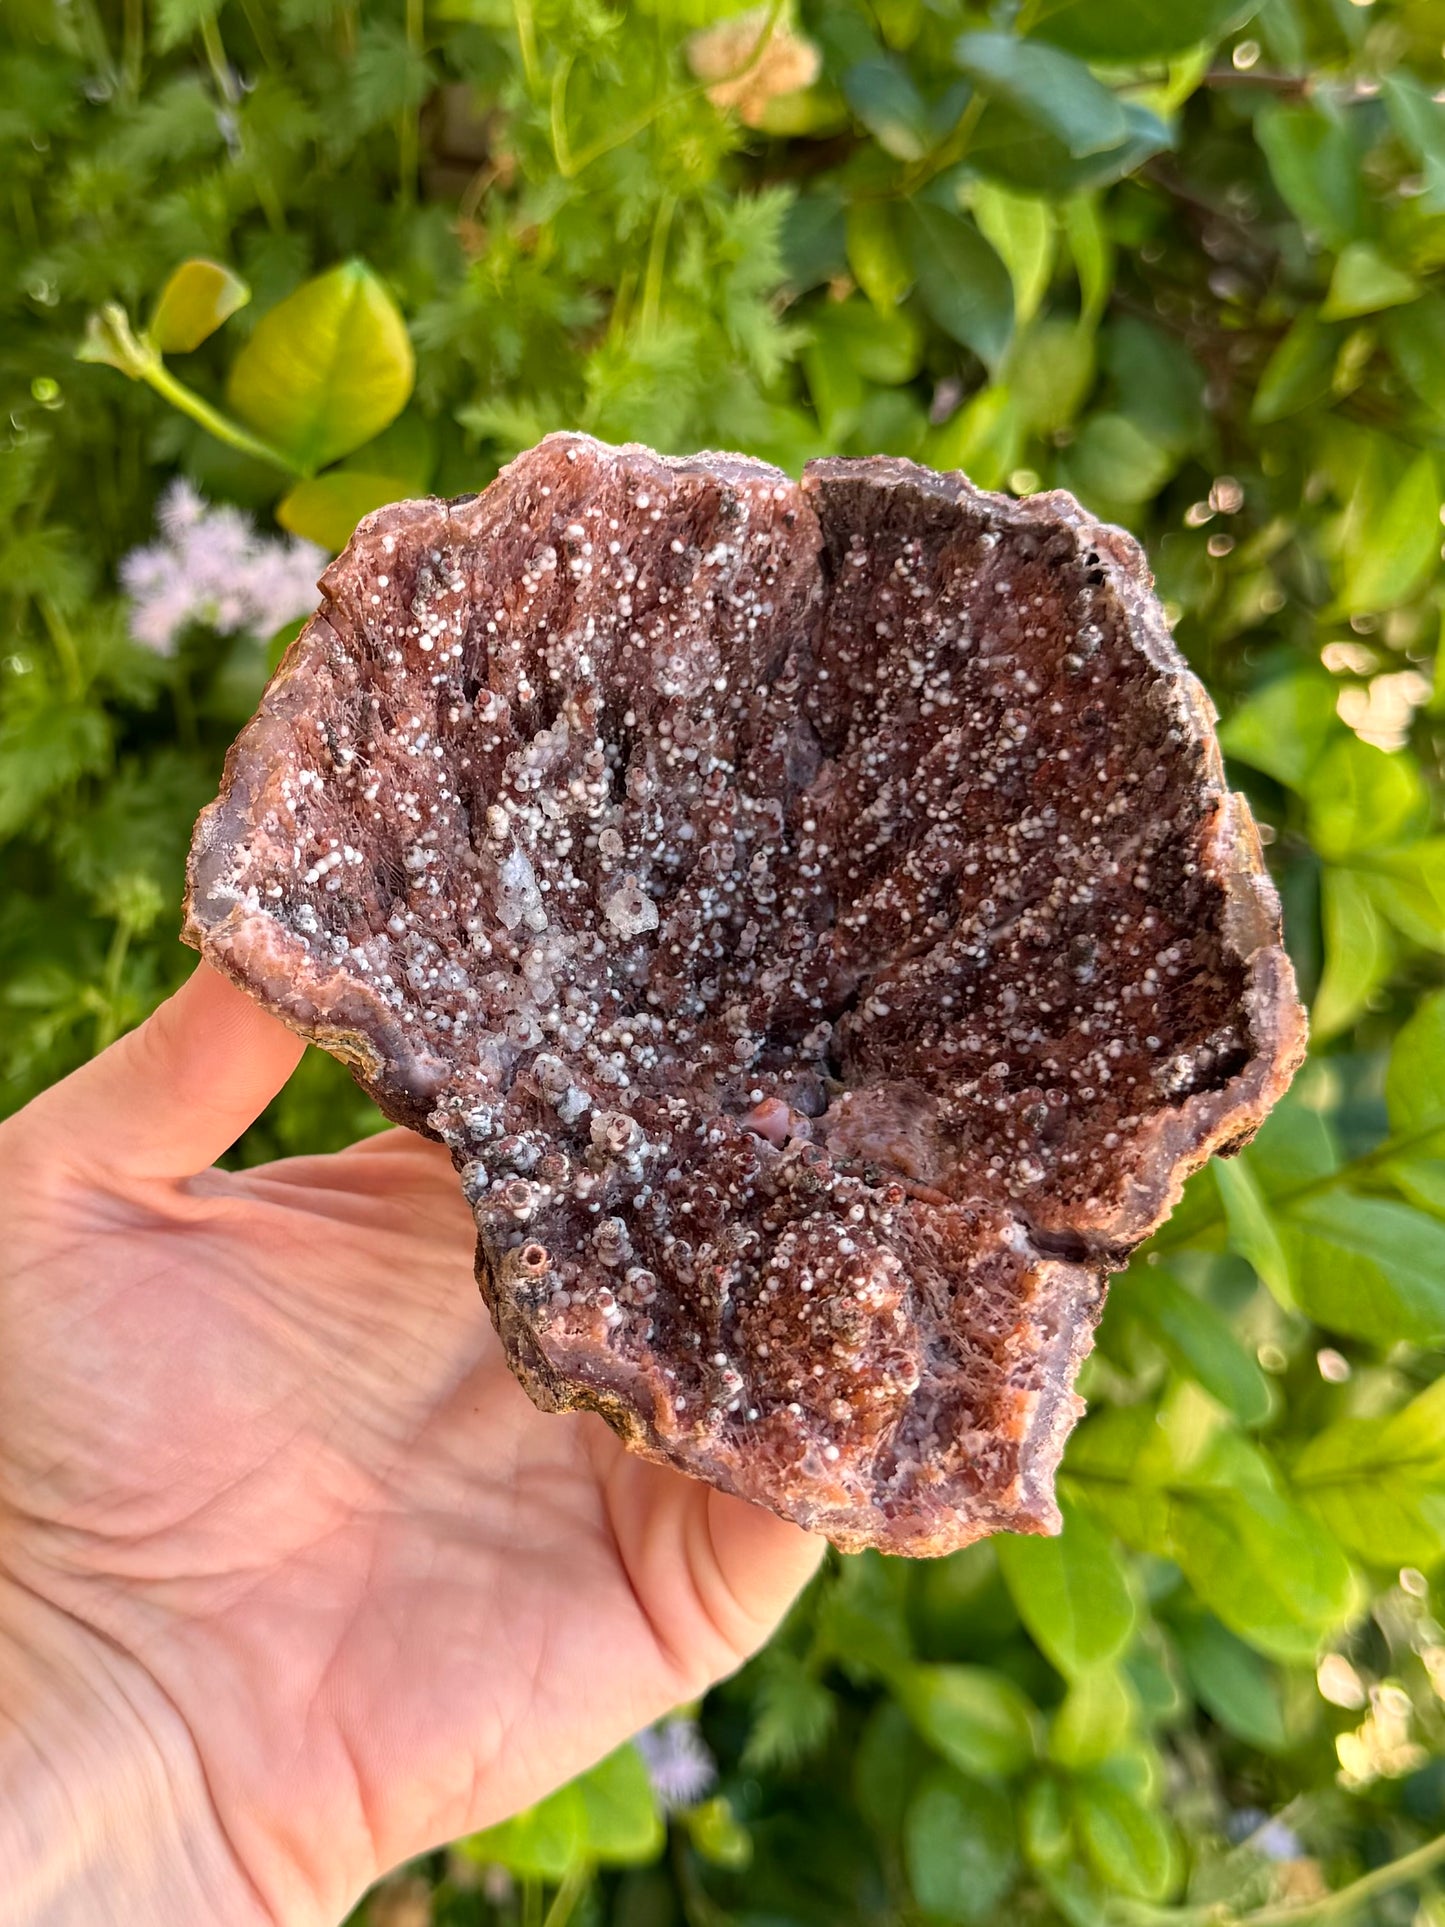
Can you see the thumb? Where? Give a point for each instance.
(169, 1097)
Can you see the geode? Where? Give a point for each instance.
(813, 918)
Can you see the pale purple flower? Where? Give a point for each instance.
(678, 1762)
(210, 566)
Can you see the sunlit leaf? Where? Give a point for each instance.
(327, 368)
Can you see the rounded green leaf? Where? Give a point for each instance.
(326, 508)
(1048, 87)
(1364, 282)
(1135, 30)
(875, 254)
(977, 1719)
(1071, 1592)
(960, 1847)
(1235, 1685)
(1129, 1846)
(1199, 1342)
(327, 368)
(882, 94)
(1097, 1716)
(964, 285)
(1370, 1267)
(1361, 797)
(199, 296)
(1415, 1081)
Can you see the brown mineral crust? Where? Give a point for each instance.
(812, 916)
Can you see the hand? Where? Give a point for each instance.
(294, 1580)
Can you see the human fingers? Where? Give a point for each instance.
(170, 1096)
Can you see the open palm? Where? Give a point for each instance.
(270, 1497)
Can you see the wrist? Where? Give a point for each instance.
(104, 1812)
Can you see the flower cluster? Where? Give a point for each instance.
(678, 1762)
(210, 566)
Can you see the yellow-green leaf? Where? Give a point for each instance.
(327, 368)
(326, 508)
(199, 296)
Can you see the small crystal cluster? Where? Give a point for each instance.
(813, 918)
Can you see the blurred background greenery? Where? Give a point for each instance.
(267, 263)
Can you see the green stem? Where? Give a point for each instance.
(133, 44)
(656, 265)
(950, 150)
(159, 377)
(261, 32)
(107, 1018)
(531, 1903)
(1344, 1901)
(564, 1901)
(561, 152)
(527, 43)
(65, 648)
(1390, 1147)
(216, 59)
(409, 126)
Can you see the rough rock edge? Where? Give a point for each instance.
(336, 1010)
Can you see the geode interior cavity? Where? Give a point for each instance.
(814, 920)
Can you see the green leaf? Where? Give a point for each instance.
(1047, 87)
(1283, 727)
(1361, 797)
(977, 1719)
(1131, 1848)
(1262, 1565)
(1159, 384)
(875, 254)
(1097, 1716)
(1013, 148)
(1235, 1685)
(1415, 337)
(327, 508)
(1093, 254)
(1415, 111)
(1409, 886)
(1113, 460)
(176, 20)
(1364, 282)
(960, 1847)
(1071, 1592)
(882, 94)
(44, 752)
(964, 285)
(1379, 1484)
(607, 1815)
(1049, 372)
(1316, 167)
(1300, 373)
(1045, 1822)
(199, 296)
(1402, 548)
(1133, 31)
(1252, 1230)
(327, 368)
(1369, 1267)
(718, 1835)
(1359, 952)
(1415, 1079)
(1199, 1341)
(1119, 1462)
(984, 439)
(1020, 228)
(793, 1712)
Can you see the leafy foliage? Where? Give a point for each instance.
(1182, 256)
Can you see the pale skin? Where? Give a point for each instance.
(295, 1582)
